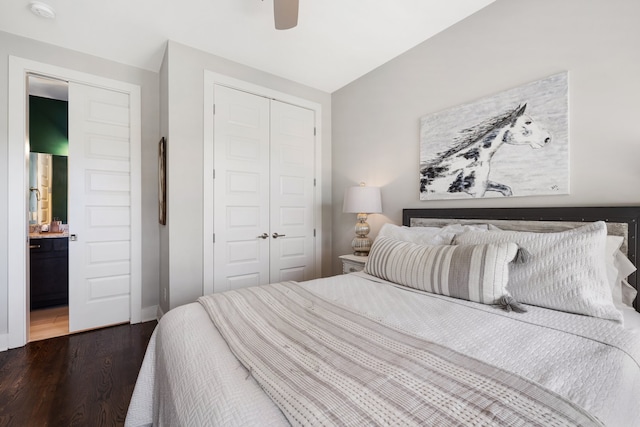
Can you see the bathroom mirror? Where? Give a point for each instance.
(47, 188)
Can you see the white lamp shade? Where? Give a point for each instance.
(362, 199)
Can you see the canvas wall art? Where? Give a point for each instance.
(514, 143)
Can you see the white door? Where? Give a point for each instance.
(292, 193)
(100, 207)
(241, 189)
(263, 190)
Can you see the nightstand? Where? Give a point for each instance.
(352, 263)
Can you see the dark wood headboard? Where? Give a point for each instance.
(627, 216)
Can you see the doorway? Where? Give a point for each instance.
(110, 111)
(48, 115)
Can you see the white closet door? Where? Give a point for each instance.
(292, 192)
(99, 207)
(241, 189)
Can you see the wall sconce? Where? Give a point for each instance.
(362, 200)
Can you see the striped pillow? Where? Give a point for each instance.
(472, 272)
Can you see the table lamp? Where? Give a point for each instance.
(362, 200)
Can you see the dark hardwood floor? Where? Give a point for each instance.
(84, 379)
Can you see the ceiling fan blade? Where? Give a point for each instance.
(285, 13)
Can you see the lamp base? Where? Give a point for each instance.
(361, 245)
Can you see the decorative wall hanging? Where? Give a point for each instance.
(514, 143)
(162, 183)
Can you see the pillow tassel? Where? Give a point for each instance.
(508, 303)
(522, 256)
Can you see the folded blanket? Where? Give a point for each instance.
(324, 364)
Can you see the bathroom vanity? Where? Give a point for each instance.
(49, 270)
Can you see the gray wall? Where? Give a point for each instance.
(164, 296)
(182, 256)
(507, 44)
(148, 81)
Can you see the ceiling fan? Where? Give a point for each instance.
(285, 14)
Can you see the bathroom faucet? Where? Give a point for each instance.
(37, 192)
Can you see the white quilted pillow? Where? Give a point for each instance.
(428, 235)
(419, 235)
(564, 271)
(472, 272)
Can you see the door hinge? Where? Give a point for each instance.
(314, 131)
(314, 182)
(214, 109)
(314, 232)
(214, 237)
(214, 174)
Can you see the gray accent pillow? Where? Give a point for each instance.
(472, 272)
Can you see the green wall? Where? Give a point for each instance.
(48, 126)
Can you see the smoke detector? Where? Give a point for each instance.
(42, 10)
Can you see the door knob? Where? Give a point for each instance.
(276, 235)
(73, 237)
(263, 236)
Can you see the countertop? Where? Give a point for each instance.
(49, 235)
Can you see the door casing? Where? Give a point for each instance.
(17, 194)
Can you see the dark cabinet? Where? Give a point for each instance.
(49, 272)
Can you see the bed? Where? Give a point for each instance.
(403, 344)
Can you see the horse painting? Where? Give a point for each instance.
(465, 167)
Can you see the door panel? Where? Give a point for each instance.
(99, 207)
(241, 189)
(292, 192)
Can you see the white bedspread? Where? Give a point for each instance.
(189, 377)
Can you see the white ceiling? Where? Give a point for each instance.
(335, 42)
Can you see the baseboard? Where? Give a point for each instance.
(4, 342)
(149, 313)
